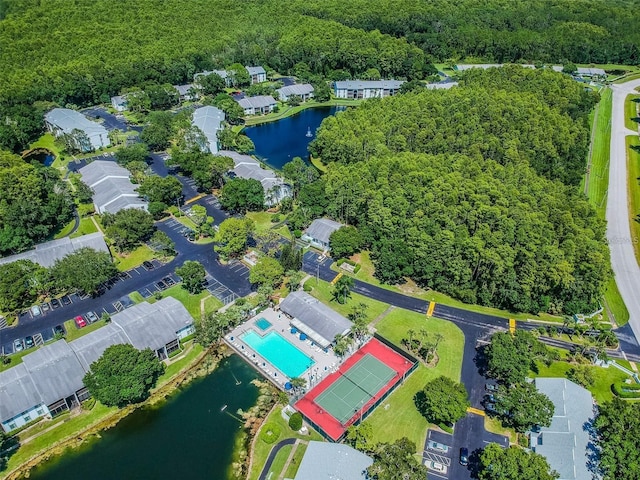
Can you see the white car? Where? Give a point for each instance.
(436, 467)
(35, 311)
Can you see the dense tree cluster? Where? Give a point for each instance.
(513, 463)
(448, 188)
(510, 357)
(85, 269)
(584, 31)
(123, 375)
(242, 195)
(34, 202)
(443, 401)
(128, 228)
(618, 428)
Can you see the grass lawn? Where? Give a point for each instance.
(631, 111)
(295, 461)
(279, 461)
(614, 303)
(262, 448)
(262, 220)
(322, 291)
(493, 424)
(134, 258)
(604, 378)
(187, 222)
(16, 358)
(136, 297)
(48, 141)
(65, 429)
(86, 226)
(74, 332)
(397, 416)
(212, 304)
(633, 168)
(190, 302)
(599, 172)
(64, 231)
(411, 289)
(175, 367)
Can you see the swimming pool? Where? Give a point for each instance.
(280, 353)
(262, 323)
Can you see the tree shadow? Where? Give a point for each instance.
(418, 400)
(7, 449)
(635, 148)
(480, 360)
(593, 451)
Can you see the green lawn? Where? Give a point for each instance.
(212, 304)
(74, 332)
(47, 141)
(262, 448)
(295, 461)
(134, 258)
(397, 416)
(411, 289)
(66, 230)
(599, 172)
(262, 220)
(633, 168)
(190, 302)
(86, 226)
(178, 365)
(278, 463)
(604, 378)
(615, 304)
(16, 358)
(630, 111)
(187, 222)
(322, 291)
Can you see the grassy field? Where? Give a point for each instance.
(604, 378)
(262, 448)
(278, 463)
(631, 111)
(86, 226)
(633, 168)
(301, 448)
(190, 302)
(74, 332)
(322, 291)
(176, 366)
(262, 220)
(16, 358)
(398, 417)
(599, 171)
(615, 304)
(134, 258)
(409, 288)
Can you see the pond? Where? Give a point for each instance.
(41, 155)
(187, 436)
(279, 142)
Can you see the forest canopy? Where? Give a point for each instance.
(459, 190)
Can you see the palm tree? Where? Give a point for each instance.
(298, 384)
(342, 289)
(411, 333)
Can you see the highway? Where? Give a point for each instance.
(623, 261)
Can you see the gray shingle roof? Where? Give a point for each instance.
(259, 101)
(368, 84)
(183, 89)
(67, 120)
(332, 461)
(322, 228)
(255, 70)
(56, 370)
(296, 89)
(17, 392)
(440, 86)
(315, 316)
(591, 71)
(47, 253)
(112, 187)
(565, 443)
(209, 121)
(153, 326)
(248, 167)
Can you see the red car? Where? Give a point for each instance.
(80, 322)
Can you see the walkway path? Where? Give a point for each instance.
(623, 260)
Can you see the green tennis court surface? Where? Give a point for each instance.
(354, 388)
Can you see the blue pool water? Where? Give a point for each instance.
(263, 323)
(279, 352)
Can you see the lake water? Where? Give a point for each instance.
(279, 142)
(188, 436)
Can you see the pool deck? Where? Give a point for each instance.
(325, 363)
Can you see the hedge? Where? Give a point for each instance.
(626, 390)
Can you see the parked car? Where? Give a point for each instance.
(17, 345)
(491, 387)
(92, 317)
(80, 322)
(28, 342)
(161, 285)
(491, 398)
(35, 311)
(55, 303)
(66, 300)
(464, 456)
(436, 466)
(59, 330)
(44, 307)
(169, 281)
(490, 407)
(148, 265)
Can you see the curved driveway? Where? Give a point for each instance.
(623, 261)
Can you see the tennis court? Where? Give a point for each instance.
(355, 387)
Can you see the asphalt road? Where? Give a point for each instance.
(109, 121)
(623, 261)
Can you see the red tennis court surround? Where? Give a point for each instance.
(326, 422)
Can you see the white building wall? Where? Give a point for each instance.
(25, 417)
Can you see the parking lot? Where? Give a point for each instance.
(158, 286)
(177, 227)
(438, 454)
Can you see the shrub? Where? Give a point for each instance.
(270, 433)
(626, 390)
(295, 421)
(297, 233)
(307, 287)
(276, 218)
